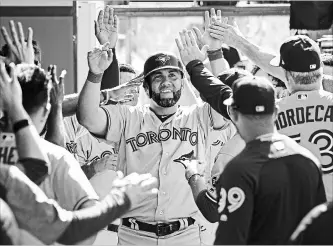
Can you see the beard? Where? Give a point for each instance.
(166, 102)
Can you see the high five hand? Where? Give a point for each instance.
(106, 27)
(100, 59)
(188, 47)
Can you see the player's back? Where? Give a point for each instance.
(285, 184)
(307, 117)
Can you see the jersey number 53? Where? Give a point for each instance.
(324, 136)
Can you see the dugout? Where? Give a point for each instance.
(65, 28)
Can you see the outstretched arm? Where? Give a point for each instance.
(55, 124)
(231, 35)
(210, 87)
(214, 50)
(89, 114)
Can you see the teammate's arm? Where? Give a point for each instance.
(233, 37)
(235, 215)
(55, 124)
(206, 204)
(209, 86)
(44, 218)
(202, 79)
(214, 51)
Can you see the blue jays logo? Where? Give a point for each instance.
(71, 147)
(163, 59)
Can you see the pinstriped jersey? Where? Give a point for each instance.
(307, 117)
(147, 145)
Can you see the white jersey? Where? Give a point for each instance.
(66, 182)
(90, 149)
(73, 131)
(307, 117)
(147, 145)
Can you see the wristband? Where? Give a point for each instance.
(214, 54)
(20, 125)
(194, 174)
(94, 78)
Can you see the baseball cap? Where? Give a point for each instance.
(298, 53)
(161, 61)
(230, 76)
(253, 96)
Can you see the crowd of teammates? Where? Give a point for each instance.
(195, 150)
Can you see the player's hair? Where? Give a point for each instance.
(231, 55)
(327, 59)
(279, 82)
(231, 75)
(37, 51)
(306, 78)
(261, 120)
(36, 86)
(126, 68)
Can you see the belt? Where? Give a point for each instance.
(112, 227)
(161, 229)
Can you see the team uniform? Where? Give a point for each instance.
(66, 182)
(34, 212)
(73, 132)
(307, 117)
(316, 227)
(147, 145)
(266, 190)
(88, 150)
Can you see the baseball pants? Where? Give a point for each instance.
(188, 236)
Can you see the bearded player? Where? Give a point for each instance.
(149, 138)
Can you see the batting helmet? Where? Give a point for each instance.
(160, 61)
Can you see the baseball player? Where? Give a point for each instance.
(245, 188)
(307, 114)
(316, 226)
(66, 182)
(47, 221)
(149, 138)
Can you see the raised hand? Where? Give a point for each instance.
(19, 50)
(124, 92)
(205, 38)
(100, 59)
(106, 27)
(188, 47)
(10, 89)
(58, 91)
(138, 187)
(228, 33)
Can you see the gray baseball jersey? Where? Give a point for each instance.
(147, 145)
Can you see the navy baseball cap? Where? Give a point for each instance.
(161, 61)
(298, 53)
(252, 96)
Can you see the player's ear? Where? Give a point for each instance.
(233, 114)
(276, 112)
